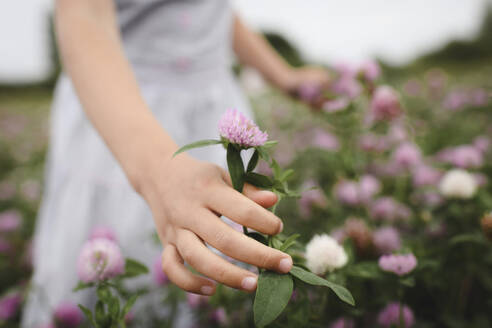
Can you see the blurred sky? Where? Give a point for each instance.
(324, 30)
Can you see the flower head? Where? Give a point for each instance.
(464, 156)
(348, 87)
(309, 92)
(219, 316)
(359, 232)
(68, 315)
(10, 220)
(458, 183)
(385, 104)
(482, 143)
(388, 209)
(486, 224)
(7, 190)
(397, 134)
(386, 240)
(368, 187)
(5, 246)
(370, 70)
(407, 155)
(9, 305)
(390, 316)
(323, 253)
(343, 323)
(336, 105)
(456, 100)
(347, 192)
(398, 264)
(240, 130)
(196, 300)
(100, 259)
(160, 278)
(373, 143)
(424, 175)
(478, 97)
(103, 232)
(325, 140)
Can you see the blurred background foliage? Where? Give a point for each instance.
(24, 122)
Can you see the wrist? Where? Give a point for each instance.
(286, 80)
(148, 165)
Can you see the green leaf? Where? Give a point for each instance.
(129, 304)
(408, 281)
(236, 167)
(263, 153)
(476, 238)
(365, 270)
(276, 242)
(134, 268)
(253, 161)
(289, 242)
(286, 175)
(197, 144)
(277, 170)
(88, 314)
(313, 279)
(258, 180)
(258, 237)
(272, 295)
(270, 144)
(82, 285)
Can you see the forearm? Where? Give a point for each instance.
(107, 89)
(253, 50)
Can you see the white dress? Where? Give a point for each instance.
(180, 51)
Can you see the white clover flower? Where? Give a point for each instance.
(458, 183)
(323, 253)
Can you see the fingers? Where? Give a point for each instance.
(264, 198)
(196, 254)
(172, 265)
(235, 206)
(237, 245)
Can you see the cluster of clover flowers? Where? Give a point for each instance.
(274, 290)
(102, 266)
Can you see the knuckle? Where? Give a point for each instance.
(205, 181)
(188, 255)
(222, 240)
(266, 258)
(249, 213)
(221, 273)
(185, 285)
(166, 263)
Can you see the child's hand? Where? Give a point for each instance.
(187, 197)
(308, 75)
(307, 84)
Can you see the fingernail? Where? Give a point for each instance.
(207, 290)
(281, 226)
(285, 264)
(249, 283)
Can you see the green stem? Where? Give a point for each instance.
(402, 322)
